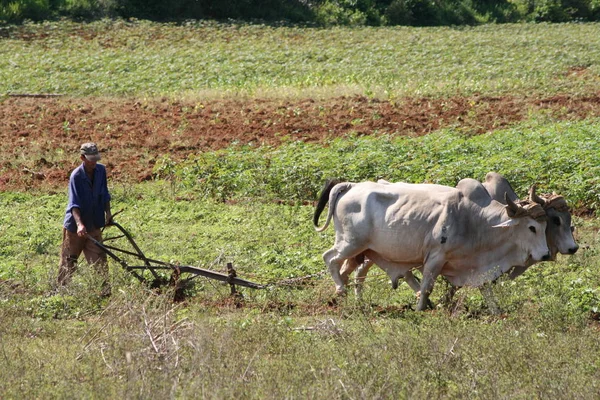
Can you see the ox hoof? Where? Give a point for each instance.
(339, 296)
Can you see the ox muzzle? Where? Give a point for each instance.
(573, 250)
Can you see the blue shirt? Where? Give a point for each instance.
(90, 199)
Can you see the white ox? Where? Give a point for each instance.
(460, 233)
(559, 232)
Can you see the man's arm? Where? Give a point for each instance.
(107, 197)
(81, 231)
(108, 213)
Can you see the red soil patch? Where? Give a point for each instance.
(39, 138)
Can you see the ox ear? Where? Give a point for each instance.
(509, 223)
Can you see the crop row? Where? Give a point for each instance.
(557, 157)
(141, 58)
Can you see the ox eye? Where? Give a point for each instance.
(556, 221)
(572, 229)
(532, 229)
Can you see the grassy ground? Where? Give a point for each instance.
(281, 342)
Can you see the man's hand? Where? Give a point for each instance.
(81, 231)
(109, 218)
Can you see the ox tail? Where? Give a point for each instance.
(330, 192)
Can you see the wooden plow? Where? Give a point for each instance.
(147, 264)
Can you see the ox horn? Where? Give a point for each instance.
(511, 207)
(534, 197)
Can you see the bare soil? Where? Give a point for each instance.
(39, 137)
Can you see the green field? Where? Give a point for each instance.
(219, 207)
(146, 59)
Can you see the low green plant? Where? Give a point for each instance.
(557, 157)
(199, 59)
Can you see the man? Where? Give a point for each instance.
(87, 212)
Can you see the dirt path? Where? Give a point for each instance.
(39, 138)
